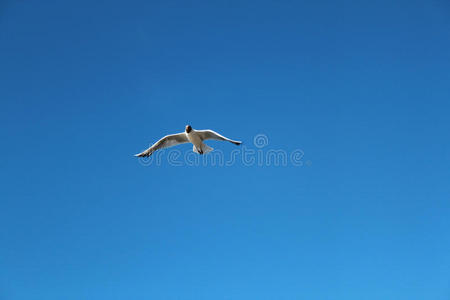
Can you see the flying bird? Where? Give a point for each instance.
(196, 137)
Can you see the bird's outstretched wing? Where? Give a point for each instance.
(212, 135)
(165, 142)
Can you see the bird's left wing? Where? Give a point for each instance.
(165, 142)
(212, 135)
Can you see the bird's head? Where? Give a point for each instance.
(188, 128)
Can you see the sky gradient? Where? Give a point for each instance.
(361, 88)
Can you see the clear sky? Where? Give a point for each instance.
(361, 87)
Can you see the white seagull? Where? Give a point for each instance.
(196, 137)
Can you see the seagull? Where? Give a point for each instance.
(196, 137)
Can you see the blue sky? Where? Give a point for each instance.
(361, 88)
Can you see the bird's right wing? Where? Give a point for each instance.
(165, 142)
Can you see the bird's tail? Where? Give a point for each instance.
(204, 149)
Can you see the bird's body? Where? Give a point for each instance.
(195, 137)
